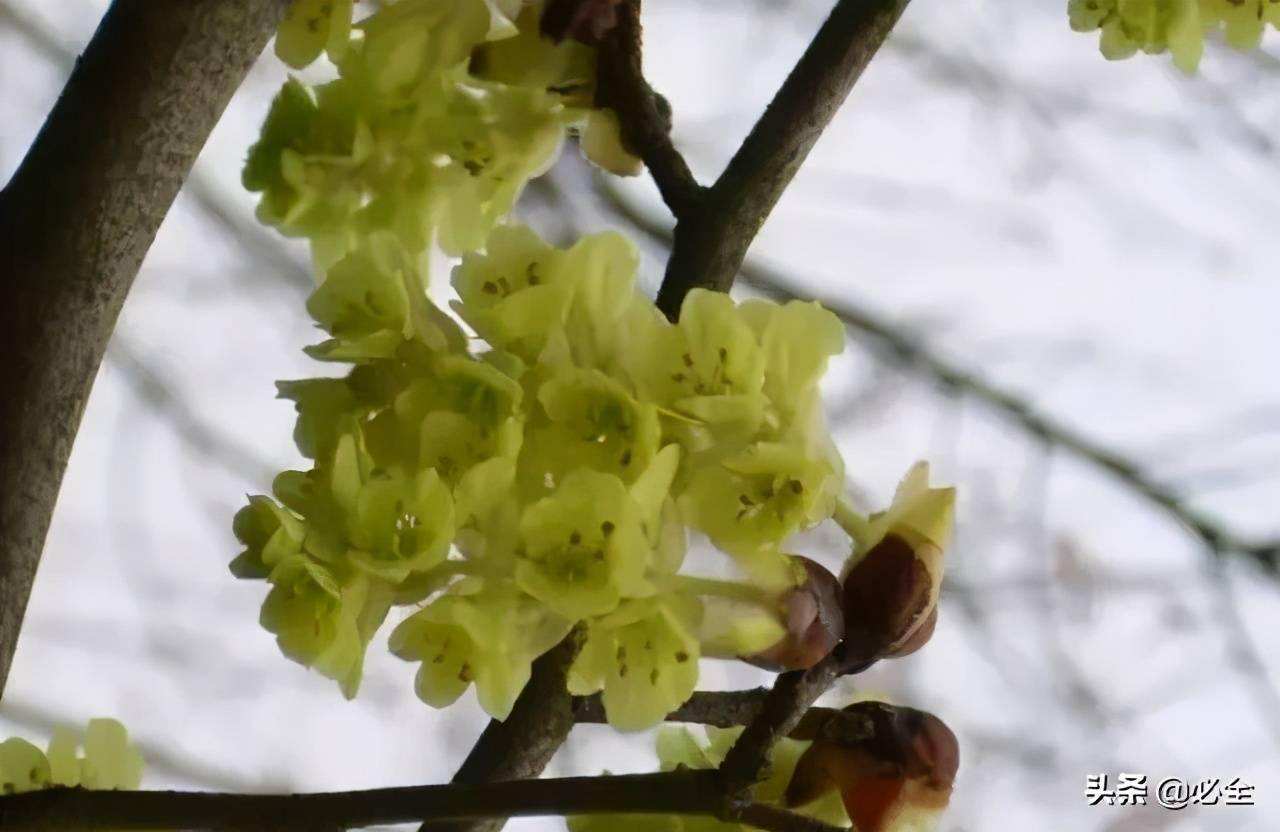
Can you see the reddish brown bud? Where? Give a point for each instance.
(935, 752)
(890, 595)
(894, 771)
(586, 21)
(814, 620)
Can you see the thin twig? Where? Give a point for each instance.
(154, 390)
(643, 115)
(1243, 652)
(722, 709)
(780, 713)
(733, 708)
(676, 792)
(711, 243)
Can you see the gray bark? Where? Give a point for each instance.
(75, 222)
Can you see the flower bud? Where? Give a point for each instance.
(891, 588)
(894, 767)
(888, 596)
(813, 618)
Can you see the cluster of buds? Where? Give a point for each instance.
(886, 604)
(892, 766)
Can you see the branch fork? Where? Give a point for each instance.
(716, 224)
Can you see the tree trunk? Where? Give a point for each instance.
(75, 222)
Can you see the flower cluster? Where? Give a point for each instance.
(108, 760)
(1176, 26)
(441, 112)
(544, 481)
(534, 462)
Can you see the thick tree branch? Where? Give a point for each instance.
(711, 243)
(677, 792)
(521, 746)
(644, 116)
(215, 205)
(75, 222)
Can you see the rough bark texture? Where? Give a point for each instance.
(75, 222)
(521, 746)
(781, 710)
(711, 241)
(644, 117)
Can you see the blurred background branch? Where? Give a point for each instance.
(901, 346)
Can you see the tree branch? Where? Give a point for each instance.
(521, 746)
(722, 709)
(711, 243)
(76, 220)
(643, 115)
(780, 713)
(678, 792)
(732, 708)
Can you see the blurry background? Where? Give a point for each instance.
(1059, 274)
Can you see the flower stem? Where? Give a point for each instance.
(855, 524)
(734, 590)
